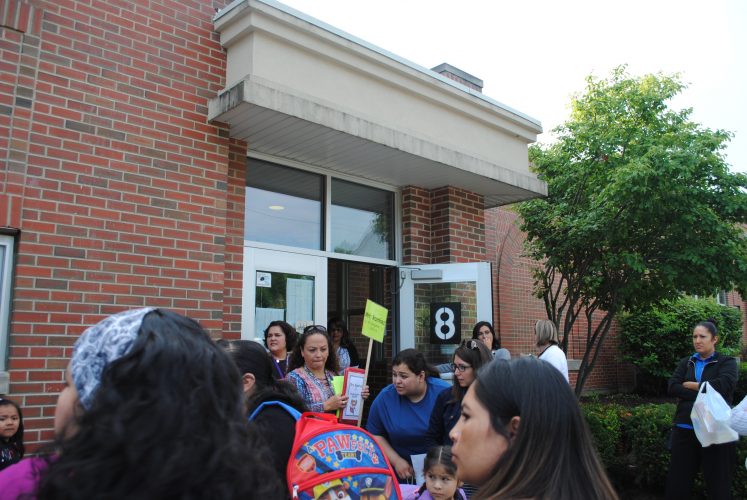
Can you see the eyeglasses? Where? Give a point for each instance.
(314, 328)
(459, 367)
(471, 344)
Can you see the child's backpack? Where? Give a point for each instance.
(334, 461)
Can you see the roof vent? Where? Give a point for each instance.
(458, 75)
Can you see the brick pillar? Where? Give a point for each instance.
(457, 226)
(416, 225)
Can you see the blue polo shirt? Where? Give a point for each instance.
(404, 423)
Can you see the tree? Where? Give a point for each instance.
(641, 206)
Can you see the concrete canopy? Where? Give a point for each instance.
(302, 90)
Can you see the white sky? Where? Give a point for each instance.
(533, 55)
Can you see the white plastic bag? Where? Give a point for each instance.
(738, 420)
(711, 416)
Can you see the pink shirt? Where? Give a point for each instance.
(22, 478)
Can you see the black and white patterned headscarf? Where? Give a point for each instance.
(101, 344)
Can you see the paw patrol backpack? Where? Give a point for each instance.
(334, 461)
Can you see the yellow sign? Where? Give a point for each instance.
(374, 321)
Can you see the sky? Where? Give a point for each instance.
(534, 55)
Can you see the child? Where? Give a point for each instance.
(441, 482)
(11, 433)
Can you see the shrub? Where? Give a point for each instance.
(640, 456)
(656, 338)
(741, 390)
(605, 426)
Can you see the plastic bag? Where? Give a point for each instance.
(738, 420)
(711, 416)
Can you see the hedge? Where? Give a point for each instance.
(632, 444)
(655, 338)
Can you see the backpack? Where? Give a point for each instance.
(334, 461)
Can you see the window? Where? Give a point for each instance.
(283, 205)
(362, 220)
(721, 298)
(6, 277)
(297, 208)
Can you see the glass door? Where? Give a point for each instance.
(284, 286)
(440, 304)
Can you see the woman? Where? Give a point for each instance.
(687, 455)
(522, 435)
(280, 338)
(399, 415)
(151, 409)
(469, 357)
(548, 346)
(484, 332)
(347, 354)
(314, 364)
(275, 424)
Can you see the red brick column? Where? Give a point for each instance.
(457, 226)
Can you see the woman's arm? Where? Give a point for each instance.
(726, 379)
(677, 387)
(401, 466)
(435, 434)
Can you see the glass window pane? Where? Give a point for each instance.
(362, 220)
(464, 292)
(283, 205)
(283, 296)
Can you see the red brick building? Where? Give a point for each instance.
(244, 162)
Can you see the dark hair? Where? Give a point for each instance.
(296, 359)
(552, 455)
(710, 325)
(16, 440)
(250, 357)
(496, 338)
(415, 361)
(474, 353)
(288, 331)
(335, 323)
(166, 422)
(440, 455)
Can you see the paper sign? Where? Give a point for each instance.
(418, 462)
(264, 280)
(355, 379)
(374, 321)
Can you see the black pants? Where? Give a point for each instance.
(688, 456)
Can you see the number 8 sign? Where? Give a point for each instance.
(446, 320)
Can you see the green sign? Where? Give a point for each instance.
(374, 321)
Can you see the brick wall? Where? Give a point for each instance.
(126, 187)
(516, 309)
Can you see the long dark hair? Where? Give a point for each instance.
(250, 357)
(167, 421)
(474, 353)
(16, 440)
(496, 338)
(440, 455)
(288, 331)
(296, 359)
(552, 455)
(415, 361)
(345, 340)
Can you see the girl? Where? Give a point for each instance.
(151, 409)
(441, 482)
(717, 461)
(548, 346)
(280, 339)
(276, 425)
(522, 435)
(400, 414)
(347, 354)
(11, 433)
